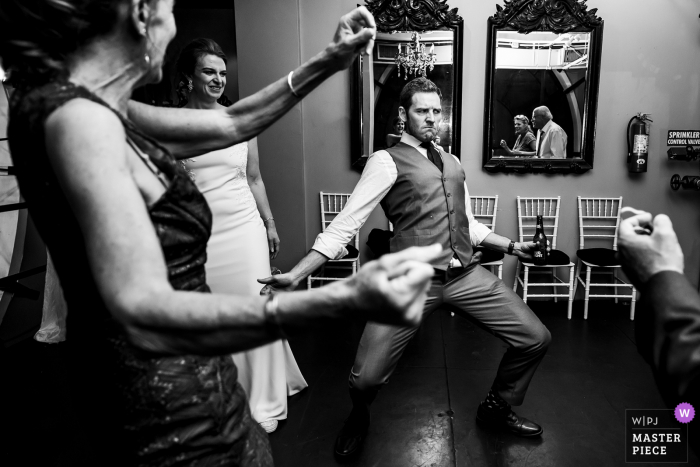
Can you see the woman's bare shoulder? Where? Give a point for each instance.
(81, 120)
(81, 108)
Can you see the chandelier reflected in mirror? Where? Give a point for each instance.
(413, 58)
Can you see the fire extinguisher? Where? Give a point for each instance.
(638, 143)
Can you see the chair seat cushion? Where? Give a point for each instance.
(487, 255)
(598, 256)
(352, 252)
(555, 258)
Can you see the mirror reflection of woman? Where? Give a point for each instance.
(244, 237)
(393, 139)
(526, 142)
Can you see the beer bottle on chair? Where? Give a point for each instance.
(540, 240)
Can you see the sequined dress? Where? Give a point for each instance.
(135, 408)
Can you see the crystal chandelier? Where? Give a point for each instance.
(414, 59)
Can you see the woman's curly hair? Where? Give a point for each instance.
(187, 62)
(36, 36)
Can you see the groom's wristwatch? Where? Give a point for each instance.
(510, 247)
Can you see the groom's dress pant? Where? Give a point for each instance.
(480, 296)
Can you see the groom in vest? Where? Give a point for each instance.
(424, 194)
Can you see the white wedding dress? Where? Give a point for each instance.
(238, 255)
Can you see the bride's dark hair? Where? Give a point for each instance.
(187, 61)
(36, 36)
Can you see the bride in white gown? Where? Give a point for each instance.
(243, 236)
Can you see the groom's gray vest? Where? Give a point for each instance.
(426, 206)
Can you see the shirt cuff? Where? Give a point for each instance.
(478, 232)
(328, 249)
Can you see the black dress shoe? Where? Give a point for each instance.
(508, 420)
(350, 438)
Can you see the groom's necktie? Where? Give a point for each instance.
(433, 154)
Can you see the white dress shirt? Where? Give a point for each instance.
(553, 144)
(377, 179)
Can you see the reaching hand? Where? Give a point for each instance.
(278, 283)
(647, 247)
(476, 257)
(273, 240)
(393, 289)
(504, 145)
(355, 34)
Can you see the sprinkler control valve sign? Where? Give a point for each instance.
(683, 138)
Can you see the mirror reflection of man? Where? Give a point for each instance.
(424, 194)
(551, 138)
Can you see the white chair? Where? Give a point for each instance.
(548, 208)
(599, 221)
(485, 209)
(335, 269)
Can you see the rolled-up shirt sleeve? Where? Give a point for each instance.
(377, 179)
(477, 231)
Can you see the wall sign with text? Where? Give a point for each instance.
(683, 138)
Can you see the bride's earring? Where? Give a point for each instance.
(147, 58)
(189, 85)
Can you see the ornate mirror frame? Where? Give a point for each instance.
(408, 15)
(558, 16)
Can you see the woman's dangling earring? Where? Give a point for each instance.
(189, 85)
(144, 33)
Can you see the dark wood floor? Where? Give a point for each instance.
(426, 414)
(424, 417)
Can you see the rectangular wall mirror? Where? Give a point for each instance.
(541, 53)
(379, 78)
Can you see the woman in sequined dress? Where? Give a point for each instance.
(150, 380)
(244, 236)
